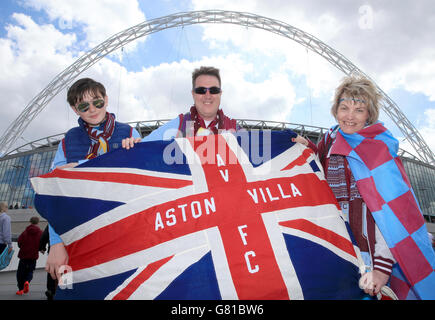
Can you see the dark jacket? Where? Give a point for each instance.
(28, 242)
(44, 241)
(77, 142)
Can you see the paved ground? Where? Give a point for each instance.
(8, 286)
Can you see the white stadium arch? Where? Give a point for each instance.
(62, 80)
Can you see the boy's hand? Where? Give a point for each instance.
(128, 143)
(57, 257)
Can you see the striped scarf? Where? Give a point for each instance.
(191, 123)
(198, 121)
(100, 136)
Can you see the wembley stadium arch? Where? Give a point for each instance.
(62, 80)
(34, 158)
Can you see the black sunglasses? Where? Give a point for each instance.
(203, 90)
(84, 106)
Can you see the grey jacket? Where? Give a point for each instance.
(5, 229)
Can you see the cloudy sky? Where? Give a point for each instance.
(265, 76)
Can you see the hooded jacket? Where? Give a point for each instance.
(28, 242)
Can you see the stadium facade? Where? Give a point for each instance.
(35, 158)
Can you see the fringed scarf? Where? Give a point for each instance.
(220, 122)
(198, 121)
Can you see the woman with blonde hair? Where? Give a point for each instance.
(360, 162)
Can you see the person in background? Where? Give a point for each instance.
(431, 239)
(28, 242)
(5, 228)
(44, 246)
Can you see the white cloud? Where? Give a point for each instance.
(280, 53)
(257, 67)
(164, 91)
(99, 19)
(388, 41)
(29, 66)
(270, 98)
(416, 76)
(383, 40)
(428, 129)
(33, 53)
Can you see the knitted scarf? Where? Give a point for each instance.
(220, 122)
(100, 136)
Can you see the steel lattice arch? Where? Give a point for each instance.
(65, 78)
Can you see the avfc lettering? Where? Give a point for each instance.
(237, 217)
(201, 208)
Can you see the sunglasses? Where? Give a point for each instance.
(203, 90)
(84, 106)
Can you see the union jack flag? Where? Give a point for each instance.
(247, 215)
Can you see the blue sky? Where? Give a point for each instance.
(265, 76)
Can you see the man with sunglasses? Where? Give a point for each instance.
(97, 133)
(203, 118)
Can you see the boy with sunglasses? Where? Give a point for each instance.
(97, 133)
(203, 118)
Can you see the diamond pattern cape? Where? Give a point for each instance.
(385, 187)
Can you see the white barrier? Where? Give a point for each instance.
(13, 266)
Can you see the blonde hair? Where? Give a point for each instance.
(3, 206)
(359, 87)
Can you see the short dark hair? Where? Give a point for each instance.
(210, 71)
(83, 86)
(34, 220)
